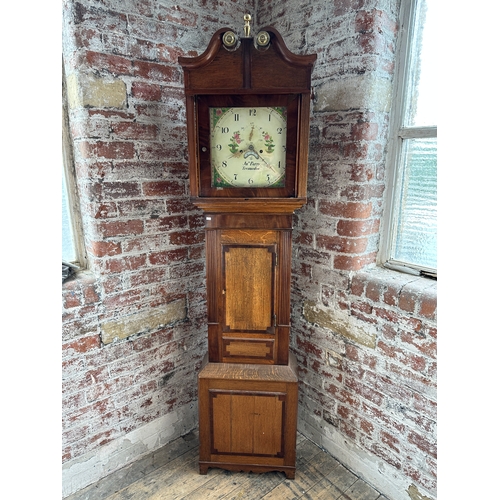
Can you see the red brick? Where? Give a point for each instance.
(343, 262)
(117, 190)
(83, 344)
(391, 295)
(71, 299)
(361, 192)
(109, 63)
(166, 223)
(111, 150)
(374, 290)
(341, 244)
(155, 71)
(147, 276)
(356, 150)
(422, 443)
(147, 91)
(90, 294)
(168, 150)
(383, 453)
(358, 286)
(407, 300)
(364, 131)
(137, 131)
(179, 205)
(105, 248)
(106, 19)
(361, 173)
(354, 228)
(187, 237)
(389, 440)
(364, 391)
(131, 263)
(309, 347)
(367, 21)
(305, 270)
(428, 306)
(111, 113)
(121, 228)
(345, 210)
(187, 269)
(367, 427)
(121, 299)
(372, 43)
(423, 344)
(411, 323)
(164, 188)
(362, 307)
(343, 7)
(168, 256)
(104, 210)
(179, 15)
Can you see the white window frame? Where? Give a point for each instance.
(398, 133)
(72, 190)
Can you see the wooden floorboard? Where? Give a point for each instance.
(172, 473)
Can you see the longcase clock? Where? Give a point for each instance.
(248, 105)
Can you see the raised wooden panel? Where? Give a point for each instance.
(247, 424)
(248, 280)
(268, 424)
(247, 349)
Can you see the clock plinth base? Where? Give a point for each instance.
(248, 417)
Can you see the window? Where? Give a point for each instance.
(410, 237)
(72, 246)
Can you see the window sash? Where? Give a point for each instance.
(69, 183)
(401, 134)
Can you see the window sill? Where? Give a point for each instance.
(416, 295)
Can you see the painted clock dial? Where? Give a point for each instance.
(248, 146)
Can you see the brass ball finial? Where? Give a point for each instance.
(247, 18)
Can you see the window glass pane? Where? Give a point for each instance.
(416, 228)
(68, 248)
(422, 94)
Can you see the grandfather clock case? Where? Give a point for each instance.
(248, 106)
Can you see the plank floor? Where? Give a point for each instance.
(172, 473)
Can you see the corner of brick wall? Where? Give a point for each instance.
(365, 337)
(133, 333)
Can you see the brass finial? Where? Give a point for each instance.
(229, 39)
(263, 38)
(247, 18)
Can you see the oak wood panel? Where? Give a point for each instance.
(248, 416)
(249, 287)
(239, 349)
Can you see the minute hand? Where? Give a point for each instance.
(267, 163)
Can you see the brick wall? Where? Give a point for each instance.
(365, 337)
(134, 325)
(134, 328)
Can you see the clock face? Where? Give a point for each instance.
(248, 147)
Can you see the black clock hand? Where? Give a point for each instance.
(265, 161)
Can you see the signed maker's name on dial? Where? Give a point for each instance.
(248, 146)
